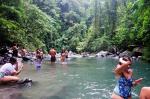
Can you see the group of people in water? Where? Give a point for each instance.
(123, 72)
(12, 64)
(39, 55)
(63, 56)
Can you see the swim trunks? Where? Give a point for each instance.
(53, 59)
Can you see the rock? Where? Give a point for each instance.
(102, 54)
(85, 54)
(125, 53)
(137, 52)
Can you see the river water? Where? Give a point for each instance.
(80, 78)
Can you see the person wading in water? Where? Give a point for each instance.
(52, 53)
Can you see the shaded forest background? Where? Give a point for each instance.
(78, 25)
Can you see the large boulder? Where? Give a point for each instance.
(137, 52)
(125, 53)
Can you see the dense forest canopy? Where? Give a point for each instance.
(77, 25)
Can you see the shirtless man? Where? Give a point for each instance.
(52, 53)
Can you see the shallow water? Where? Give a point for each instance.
(81, 78)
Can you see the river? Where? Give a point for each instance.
(80, 78)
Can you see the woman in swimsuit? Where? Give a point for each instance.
(63, 55)
(125, 81)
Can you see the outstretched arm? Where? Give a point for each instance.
(136, 82)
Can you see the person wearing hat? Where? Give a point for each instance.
(123, 73)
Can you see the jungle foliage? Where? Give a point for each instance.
(78, 25)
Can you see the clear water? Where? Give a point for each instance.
(82, 78)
